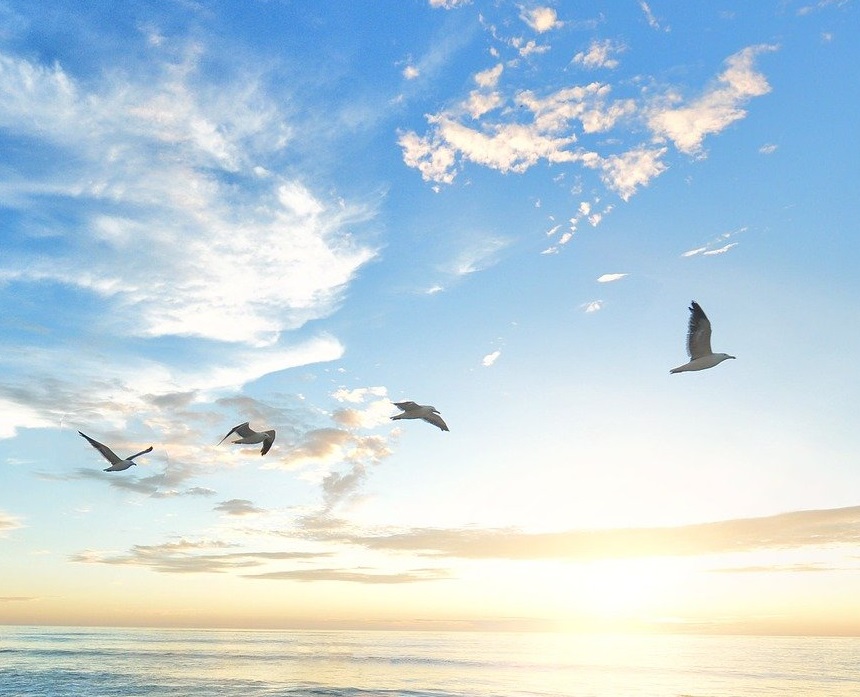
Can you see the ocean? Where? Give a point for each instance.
(87, 662)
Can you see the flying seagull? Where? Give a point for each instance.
(411, 410)
(116, 465)
(248, 436)
(699, 343)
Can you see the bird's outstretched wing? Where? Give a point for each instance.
(142, 452)
(436, 420)
(242, 430)
(407, 406)
(267, 443)
(106, 452)
(698, 333)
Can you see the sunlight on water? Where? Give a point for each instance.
(183, 663)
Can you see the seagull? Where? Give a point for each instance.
(248, 436)
(699, 343)
(411, 410)
(116, 465)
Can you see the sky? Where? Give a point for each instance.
(295, 214)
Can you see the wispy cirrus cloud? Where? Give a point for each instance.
(214, 192)
(611, 277)
(719, 245)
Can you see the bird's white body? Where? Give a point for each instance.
(411, 410)
(248, 436)
(702, 363)
(699, 343)
(117, 464)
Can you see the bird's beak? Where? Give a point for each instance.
(732, 356)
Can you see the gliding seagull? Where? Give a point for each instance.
(116, 465)
(411, 410)
(248, 436)
(699, 343)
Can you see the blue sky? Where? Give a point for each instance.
(295, 214)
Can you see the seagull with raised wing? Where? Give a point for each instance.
(116, 464)
(699, 343)
(248, 436)
(411, 410)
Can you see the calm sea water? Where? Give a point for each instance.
(56, 662)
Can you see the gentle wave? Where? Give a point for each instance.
(192, 663)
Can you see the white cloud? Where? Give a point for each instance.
(711, 248)
(410, 72)
(8, 522)
(593, 306)
(768, 149)
(600, 54)
(14, 416)
(481, 102)
(477, 256)
(625, 173)
(149, 158)
(530, 48)
(694, 252)
(720, 250)
(515, 146)
(490, 358)
(448, 4)
(649, 16)
(720, 106)
(541, 19)
(359, 394)
(610, 277)
(489, 78)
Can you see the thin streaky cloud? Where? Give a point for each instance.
(720, 250)
(354, 576)
(190, 557)
(813, 528)
(610, 277)
(9, 522)
(238, 507)
(783, 568)
(649, 16)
